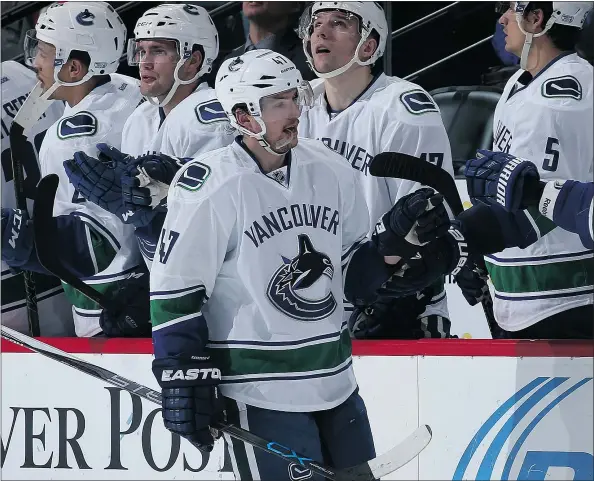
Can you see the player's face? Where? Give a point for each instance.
(156, 62)
(333, 39)
(280, 113)
(43, 62)
(514, 38)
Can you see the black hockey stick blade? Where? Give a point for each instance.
(373, 469)
(47, 238)
(404, 166)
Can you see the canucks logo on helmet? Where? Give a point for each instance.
(301, 286)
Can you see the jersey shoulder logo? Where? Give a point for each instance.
(194, 177)
(301, 286)
(418, 102)
(78, 125)
(210, 111)
(566, 86)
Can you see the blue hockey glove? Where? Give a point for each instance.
(145, 184)
(500, 178)
(415, 219)
(191, 398)
(132, 317)
(18, 239)
(98, 179)
(472, 281)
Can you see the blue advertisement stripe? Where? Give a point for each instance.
(476, 441)
(488, 463)
(514, 451)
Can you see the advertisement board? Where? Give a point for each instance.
(493, 415)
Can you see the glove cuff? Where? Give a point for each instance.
(176, 372)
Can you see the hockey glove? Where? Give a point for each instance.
(472, 281)
(98, 179)
(500, 178)
(191, 398)
(18, 240)
(415, 219)
(145, 184)
(132, 317)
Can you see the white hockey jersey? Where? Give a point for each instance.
(549, 121)
(195, 126)
(99, 117)
(53, 306)
(392, 115)
(269, 251)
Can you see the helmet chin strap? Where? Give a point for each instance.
(260, 137)
(177, 82)
(58, 83)
(529, 37)
(344, 68)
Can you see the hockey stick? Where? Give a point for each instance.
(46, 229)
(376, 468)
(26, 117)
(409, 167)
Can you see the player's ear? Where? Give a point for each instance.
(194, 62)
(369, 46)
(75, 69)
(535, 19)
(246, 121)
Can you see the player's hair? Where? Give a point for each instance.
(563, 37)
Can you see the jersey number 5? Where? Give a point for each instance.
(550, 163)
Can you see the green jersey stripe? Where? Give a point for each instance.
(542, 277)
(241, 362)
(166, 310)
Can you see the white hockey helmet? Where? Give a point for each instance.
(92, 27)
(571, 14)
(371, 17)
(247, 79)
(187, 25)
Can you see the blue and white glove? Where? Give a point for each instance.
(191, 399)
(145, 184)
(18, 239)
(98, 179)
(500, 178)
(415, 219)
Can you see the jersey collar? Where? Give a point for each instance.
(526, 77)
(281, 176)
(367, 90)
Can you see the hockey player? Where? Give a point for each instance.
(260, 241)
(55, 311)
(359, 112)
(546, 112)
(175, 45)
(504, 181)
(75, 48)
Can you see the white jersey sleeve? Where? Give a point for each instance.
(196, 126)
(142, 131)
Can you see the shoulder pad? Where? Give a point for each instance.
(562, 87)
(418, 102)
(194, 175)
(210, 111)
(78, 125)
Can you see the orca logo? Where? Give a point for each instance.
(85, 18)
(511, 425)
(301, 286)
(566, 86)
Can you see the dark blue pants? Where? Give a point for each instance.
(339, 437)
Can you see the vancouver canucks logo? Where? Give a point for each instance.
(301, 287)
(85, 18)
